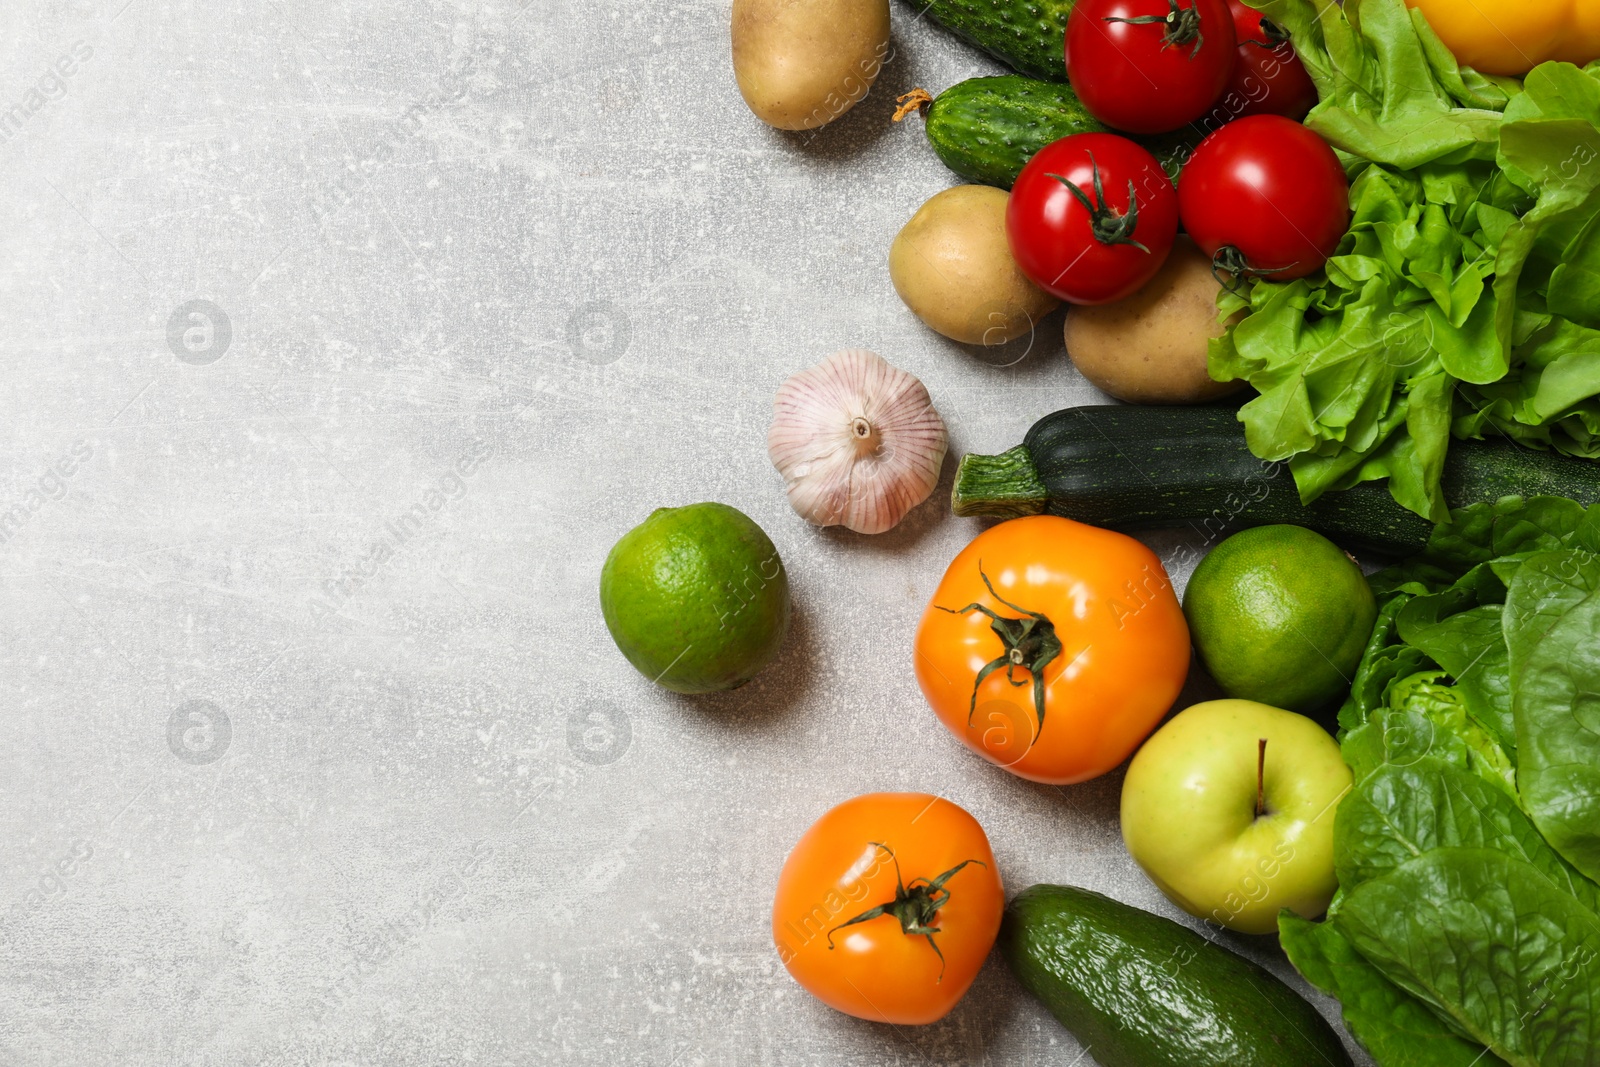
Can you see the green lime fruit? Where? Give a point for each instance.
(1280, 615)
(696, 598)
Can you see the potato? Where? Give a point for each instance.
(802, 63)
(1151, 347)
(953, 268)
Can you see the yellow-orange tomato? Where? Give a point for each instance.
(1053, 648)
(888, 906)
(1496, 37)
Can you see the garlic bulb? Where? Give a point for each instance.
(857, 441)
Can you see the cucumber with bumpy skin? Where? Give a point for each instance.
(986, 129)
(1027, 35)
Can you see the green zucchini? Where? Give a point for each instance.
(1138, 990)
(986, 129)
(1133, 468)
(1029, 36)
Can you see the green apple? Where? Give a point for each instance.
(1229, 809)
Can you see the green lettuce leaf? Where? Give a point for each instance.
(1465, 299)
(1389, 91)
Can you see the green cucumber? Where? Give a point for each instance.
(986, 129)
(1133, 468)
(1029, 36)
(1138, 990)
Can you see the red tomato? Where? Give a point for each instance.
(1265, 195)
(1269, 78)
(1091, 218)
(1149, 66)
(888, 906)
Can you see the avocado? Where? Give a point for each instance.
(1138, 990)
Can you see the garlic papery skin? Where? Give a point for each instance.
(858, 442)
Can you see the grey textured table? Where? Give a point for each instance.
(342, 339)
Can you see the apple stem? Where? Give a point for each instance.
(1261, 778)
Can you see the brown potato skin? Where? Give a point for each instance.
(803, 63)
(1151, 347)
(952, 266)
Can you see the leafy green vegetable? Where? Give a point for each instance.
(1391, 1024)
(1403, 811)
(1471, 648)
(1464, 298)
(1467, 849)
(1492, 944)
(1492, 533)
(1552, 621)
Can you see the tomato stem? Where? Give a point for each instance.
(1029, 643)
(1274, 34)
(914, 906)
(1229, 267)
(1183, 26)
(1108, 227)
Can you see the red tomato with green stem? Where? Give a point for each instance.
(1091, 218)
(1149, 66)
(1269, 78)
(1265, 196)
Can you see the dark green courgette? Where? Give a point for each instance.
(1138, 990)
(1029, 36)
(1133, 468)
(986, 129)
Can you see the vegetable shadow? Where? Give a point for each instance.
(768, 697)
(966, 1036)
(1038, 352)
(871, 119)
(1099, 800)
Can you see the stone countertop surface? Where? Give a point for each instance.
(343, 338)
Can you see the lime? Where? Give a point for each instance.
(1280, 615)
(696, 598)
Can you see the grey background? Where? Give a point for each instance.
(280, 787)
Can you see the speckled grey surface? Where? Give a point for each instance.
(285, 779)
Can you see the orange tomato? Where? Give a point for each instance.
(888, 906)
(1052, 648)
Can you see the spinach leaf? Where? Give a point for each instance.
(1488, 533)
(1552, 621)
(1545, 588)
(1470, 646)
(1400, 812)
(1473, 731)
(1396, 1028)
(1493, 944)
